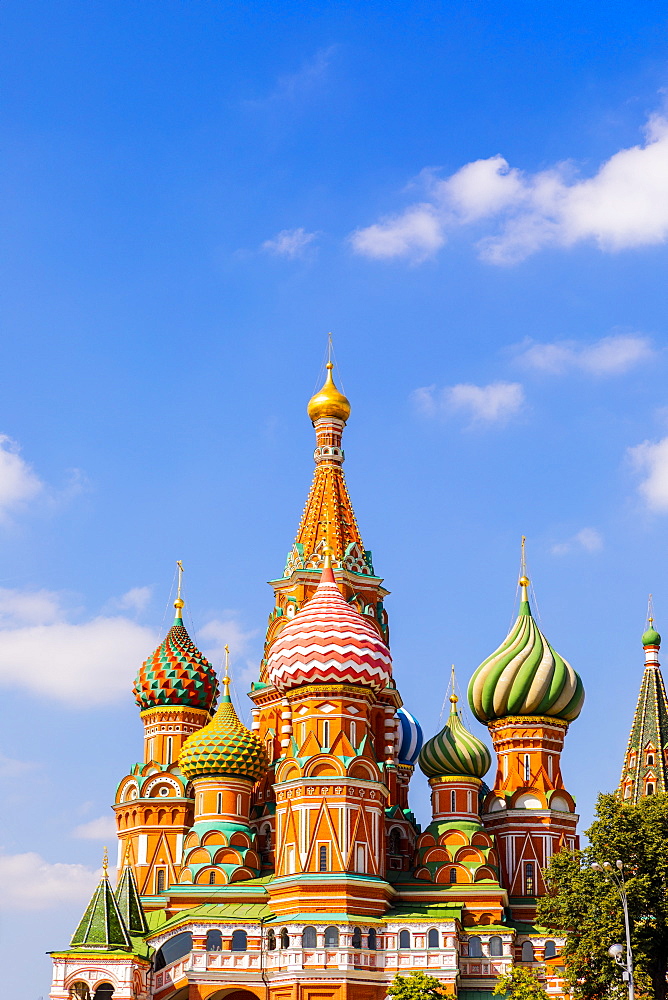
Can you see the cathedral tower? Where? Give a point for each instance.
(645, 769)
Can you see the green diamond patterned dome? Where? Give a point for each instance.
(176, 673)
(224, 747)
(525, 676)
(454, 752)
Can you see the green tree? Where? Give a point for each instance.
(520, 984)
(416, 986)
(584, 905)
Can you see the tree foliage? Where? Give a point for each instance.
(416, 986)
(520, 984)
(585, 907)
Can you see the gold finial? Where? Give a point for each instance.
(105, 863)
(524, 579)
(226, 679)
(329, 402)
(179, 602)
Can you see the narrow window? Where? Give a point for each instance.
(239, 805)
(371, 939)
(353, 734)
(528, 880)
(627, 792)
(285, 938)
(150, 749)
(212, 878)
(527, 768)
(239, 941)
(550, 949)
(475, 947)
(214, 941)
(469, 802)
(394, 841)
(453, 801)
(357, 938)
(361, 858)
(267, 838)
(453, 876)
(290, 859)
(549, 768)
(650, 788)
(650, 759)
(322, 858)
(270, 748)
(505, 766)
(302, 730)
(309, 939)
(331, 937)
(432, 938)
(404, 939)
(527, 952)
(325, 733)
(219, 803)
(170, 742)
(495, 946)
(271, 940)
(160, 880)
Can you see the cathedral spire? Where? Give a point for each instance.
(102, 927)
(645, 769)
(129, 902)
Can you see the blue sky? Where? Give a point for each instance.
(473, 197)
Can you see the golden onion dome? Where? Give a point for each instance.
(329, 402)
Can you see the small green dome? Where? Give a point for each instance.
(224, 747)
(651, 637)
(525, 676)
(454, 752)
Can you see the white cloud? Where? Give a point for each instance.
(290, 243)
(19, 483)
(612, 355)
(29, 607)
(624, 204)
(103, 828)
(136, 599)
(588, 539)
(650, 459)
(493, 403)
(12, 768)
(31, 883)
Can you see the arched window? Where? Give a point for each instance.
(160, 880)
(453, 801)
(170, 747)
(353, 734)
(453, 876)
(475, 947)
(271, 939)
(550, 949)
(331, 937)
(372, 940)
(239, 805)
(285, 938)
(212, 878)
(528, 879)
(79, 991)
(527, 768)
(214, 941)
(267, 838)
(239, 941)
(357, 938)
(270, 748)
(309, 938)
(103, 992)
(394, 841)
(323, 860)
(650, 788)
(650, 759)
(173, 949)
(627, 792)
(219, 803)
(404, 939)
(527, 952)
(325, 733)
(495, 946)
(432, 938)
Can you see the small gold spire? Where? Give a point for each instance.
(329, 402)
(524, 579)
(650, 611)
(453, 697)
(226, 679)
(105, 863)
(179, 602)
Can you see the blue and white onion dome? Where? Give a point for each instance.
(410, 737)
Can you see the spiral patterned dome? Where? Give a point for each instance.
(525, 676)
(455, 752)
(410, 737)
(328, 642)
(224, 747)
(176, 673)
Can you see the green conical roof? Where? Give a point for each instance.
(525, 676)
(129, 904)
(102, 927)
(454, 752)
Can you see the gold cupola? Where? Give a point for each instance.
(329, 402)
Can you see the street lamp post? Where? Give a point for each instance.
(616, 951)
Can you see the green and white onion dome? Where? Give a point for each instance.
(454, 752)
(525, 676)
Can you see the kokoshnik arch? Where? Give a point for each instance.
(284, 862)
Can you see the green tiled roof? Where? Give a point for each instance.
(228, 912)
(102, 927)
(129, 904)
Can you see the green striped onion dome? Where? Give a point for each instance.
(176, 673)
(224, 747)
(454, 752)
(525, 676)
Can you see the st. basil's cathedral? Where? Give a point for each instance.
(283, 862)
